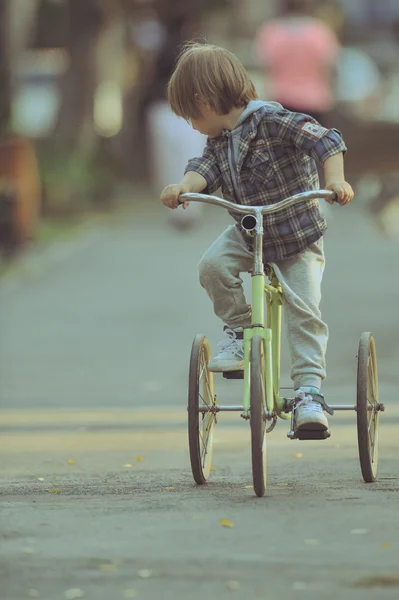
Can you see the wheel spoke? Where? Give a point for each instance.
(205, 380)
(367, 407)
(372, 416)
(371, 378)
(208, 385)
(372, 432)
(207, 425)
(201, 431)
(201, 410)
(371, 400)
(371, 426)
(206, 401)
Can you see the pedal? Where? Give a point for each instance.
(234, 374)
(311, 435)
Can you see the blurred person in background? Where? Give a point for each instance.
(172, 140)
(298, 53)
(385, 203)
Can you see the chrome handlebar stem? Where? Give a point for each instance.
(258, 212)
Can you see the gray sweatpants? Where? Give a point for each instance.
(300, 277)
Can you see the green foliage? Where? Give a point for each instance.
(72, 183)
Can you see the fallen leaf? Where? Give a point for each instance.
(384, 580)
(130, 593)
(232, 586)
(71, 461)
(359, 531)
(171, 489)
(385, 545)
(74, 593)
(298, 455)
(213, 468)
(248, 487)
(226, 523)
(140, 458)
(108, 567)
(128, 466)
(40, 478)
(54, 491)
(283, 484)
(144, 573)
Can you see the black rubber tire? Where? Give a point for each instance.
(257, 414)
(200, 446)
(367, 395)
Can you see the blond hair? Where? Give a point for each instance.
(211, 75)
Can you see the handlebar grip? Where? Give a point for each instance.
(334, 197)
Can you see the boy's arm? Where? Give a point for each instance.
(191, 182)
(201, 175)
(207, 167)
(194, 182)
(326, 146)
(335, 178)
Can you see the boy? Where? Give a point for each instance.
(260, 153)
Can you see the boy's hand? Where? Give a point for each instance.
(343, 190)
(170, 195)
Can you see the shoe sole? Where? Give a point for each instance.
(227, 368)
(312, 427)
(315, 434)
(312, 431)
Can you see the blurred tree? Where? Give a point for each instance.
(74, 177)
(84, 23)
(5, 74)
(19, 178)
(52, 24)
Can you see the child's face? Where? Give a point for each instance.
(209, 124)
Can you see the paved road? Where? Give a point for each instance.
(97, 497)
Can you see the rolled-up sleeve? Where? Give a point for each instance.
(306, 134)
(206, 165)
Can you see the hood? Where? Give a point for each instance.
(253, 106)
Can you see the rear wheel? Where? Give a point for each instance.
(367, 407)
(258, 415)
(201, 410)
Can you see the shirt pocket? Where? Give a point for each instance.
(258, 167)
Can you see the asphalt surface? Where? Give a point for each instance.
(97, 497)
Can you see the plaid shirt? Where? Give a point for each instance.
(274, 159)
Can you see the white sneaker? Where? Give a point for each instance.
(231, 355)
(309, 415)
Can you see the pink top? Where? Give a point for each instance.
(299, 53)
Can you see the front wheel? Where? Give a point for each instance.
(201, 410)
(258, 415)
(367, 407)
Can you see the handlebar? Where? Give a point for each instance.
(263, 210)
